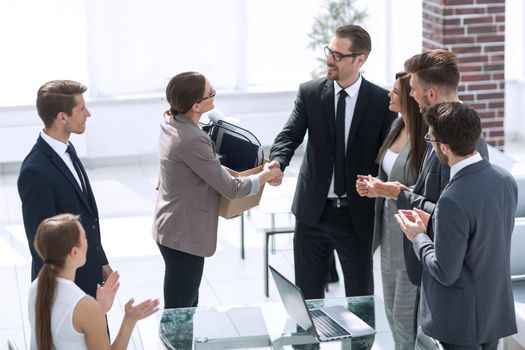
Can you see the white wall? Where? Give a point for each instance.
(130, 128)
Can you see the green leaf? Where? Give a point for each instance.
(333, 14)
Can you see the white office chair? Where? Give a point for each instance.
(517, 259)
(517, 271)
(520, 209)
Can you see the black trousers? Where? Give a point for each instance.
(182, 278)
(313, 249)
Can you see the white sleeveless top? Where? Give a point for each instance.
(64, 334)
(388, 161)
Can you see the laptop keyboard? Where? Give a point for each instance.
(325, 325)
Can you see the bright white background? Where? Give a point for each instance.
(133, 47)
(254, 52)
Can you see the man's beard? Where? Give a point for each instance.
(425, 104)
(441, 157)
(333, 75)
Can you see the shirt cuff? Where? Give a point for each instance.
(256, 184)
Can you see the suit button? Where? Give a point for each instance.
(96, 219)
(93, 226)
(97, 248)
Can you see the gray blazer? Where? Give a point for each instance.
(431, 181)
(384, 221)
(466, 295)
(190, 185)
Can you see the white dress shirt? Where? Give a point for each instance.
(60, 149)
(464, 163)
(351, 100)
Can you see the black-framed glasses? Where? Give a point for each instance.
(428, 139)
(338, 56)
(211, 95)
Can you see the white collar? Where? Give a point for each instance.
(352, 90)
(464, 163)
(58, 146)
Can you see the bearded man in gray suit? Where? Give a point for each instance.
(466, 298)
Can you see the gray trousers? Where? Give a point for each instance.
(399, 295)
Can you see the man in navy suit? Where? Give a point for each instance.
(53, 181)
(466, 293)
(347, 119)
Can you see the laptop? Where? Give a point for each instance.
(327, 323)
(238, 148)
(237, 154)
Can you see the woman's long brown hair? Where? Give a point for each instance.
(55, 237)
(417, 127)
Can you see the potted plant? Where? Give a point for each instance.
(334, 14)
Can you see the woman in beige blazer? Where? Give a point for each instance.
(190, 185)
(400, 160)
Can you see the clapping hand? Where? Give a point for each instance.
(106, 293)
(412, 222)
(142, 310)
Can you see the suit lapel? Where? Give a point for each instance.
(424, 172)
(62, 167)
(328, 102)
(399, 170)
(89, 195)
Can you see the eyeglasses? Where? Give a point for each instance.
(428, 139)
(211, 95)
(338, 56)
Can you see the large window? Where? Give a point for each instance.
(41, 41)
(132, 47)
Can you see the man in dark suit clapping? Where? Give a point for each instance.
(53, 181)
(347, 119)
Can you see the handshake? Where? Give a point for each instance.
(271, 173)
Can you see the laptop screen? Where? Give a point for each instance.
(238, 154)
(293, 301)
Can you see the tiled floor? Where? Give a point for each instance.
(125, 196)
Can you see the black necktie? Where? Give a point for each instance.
(339, 169)
(76, 163)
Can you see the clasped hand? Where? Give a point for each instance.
(278, 179)
(372, 187)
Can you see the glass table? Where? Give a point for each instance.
(262, 326)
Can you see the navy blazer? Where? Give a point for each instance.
(47, 187)
(315, 112)
(466, 295)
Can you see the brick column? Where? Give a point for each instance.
(475, 30)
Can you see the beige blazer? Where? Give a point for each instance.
(191, 182)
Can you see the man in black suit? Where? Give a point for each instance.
(346, 118)
(53, 181)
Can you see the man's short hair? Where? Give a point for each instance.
(361, 42)
(57, 96)
(456, 125)
(436, 67)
